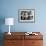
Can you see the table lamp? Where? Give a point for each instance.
(9, 21)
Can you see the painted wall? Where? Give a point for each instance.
(9, 8)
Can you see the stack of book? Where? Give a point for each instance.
(30, 33)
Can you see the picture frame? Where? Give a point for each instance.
(26, 15)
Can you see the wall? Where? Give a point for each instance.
(9, 8)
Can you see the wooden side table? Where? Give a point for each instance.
(20, 39)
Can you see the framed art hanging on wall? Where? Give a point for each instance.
(26, 15)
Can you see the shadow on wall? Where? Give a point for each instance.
(2, 21)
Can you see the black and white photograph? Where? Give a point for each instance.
(26, 15)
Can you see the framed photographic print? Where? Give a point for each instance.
(26, 15)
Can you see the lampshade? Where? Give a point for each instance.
(9, 21)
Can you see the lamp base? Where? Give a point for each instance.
(9, 33)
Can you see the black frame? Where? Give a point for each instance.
(23, 12)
